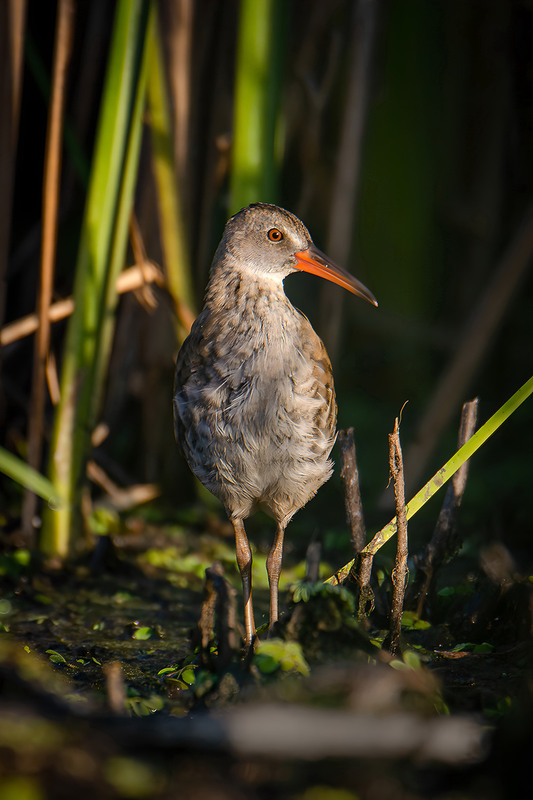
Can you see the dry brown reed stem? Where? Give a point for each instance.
(343, 205)
(366, 595)
(51, 185)
(145, 294)
(352, 492)
(218, 619)
(121, 498)
(178, 17)
(12, 26)
(130, 280)
(444, 541)
(116, 689)
(472, 346)
(399, 572)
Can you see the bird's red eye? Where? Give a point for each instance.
(274, 235)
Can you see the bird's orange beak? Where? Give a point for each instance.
(316, 262)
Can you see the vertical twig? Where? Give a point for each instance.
(472, 345)
(444, 474)
(179, 34)
(51, 184)
(218, 620)
(352, 493)
(399, 573)
(366, 595)
(444, 540)
(116, 690)
(169, 197)
(348, 167)
(312, 561)
(12, 29)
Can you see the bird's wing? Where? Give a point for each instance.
(190, 359)
(323, 388)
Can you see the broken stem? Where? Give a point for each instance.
(399, 573)
(352, 493)
(444, 540)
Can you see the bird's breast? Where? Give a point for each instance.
(255, 402)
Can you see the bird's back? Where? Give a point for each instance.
(254, 403)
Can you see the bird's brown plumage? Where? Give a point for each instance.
(254, 402)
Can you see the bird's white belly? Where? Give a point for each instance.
(257, 441)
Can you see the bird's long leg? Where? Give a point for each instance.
(244, 561)
(273, 570)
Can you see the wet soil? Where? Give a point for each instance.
(61, 735)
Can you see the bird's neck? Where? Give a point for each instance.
(239, 290)
(244, 308)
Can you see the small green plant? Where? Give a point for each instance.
(277, 656)
(412, 622)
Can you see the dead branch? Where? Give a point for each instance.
(343, 206)
(472, 346)
(51, 183)
(120, 498)
(366, 595)
(399, 573)
(352, 492)
(444, 541)
(12, 37)
(116, 689)
(129, 280)
(218, 620)
(312, 561)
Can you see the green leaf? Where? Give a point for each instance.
(20, 472)
(266, 663)
(412, 659)
(461, 646)
(55, 657)
(410, 621)
(277, 654)
(143, 633)
(447, 591)
(485, 647)
(188, 675)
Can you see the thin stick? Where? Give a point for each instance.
(352, 493)
(472, 347)
(218, 619)
(12, 34)
(442, 476)
(444, 540)
(116, 689)
(399, 573)
(51, 183)
(129, 280)
(343, 206)
(366, 595)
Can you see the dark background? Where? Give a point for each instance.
(444, 191)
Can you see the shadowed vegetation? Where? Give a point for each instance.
(400, 133)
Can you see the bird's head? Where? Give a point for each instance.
(270, 243)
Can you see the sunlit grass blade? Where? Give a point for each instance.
(120, 231)
(257, 85)
(17, 469)
(102, 246)
(444, 474)
(171, 223)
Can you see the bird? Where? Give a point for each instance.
(254, 402)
